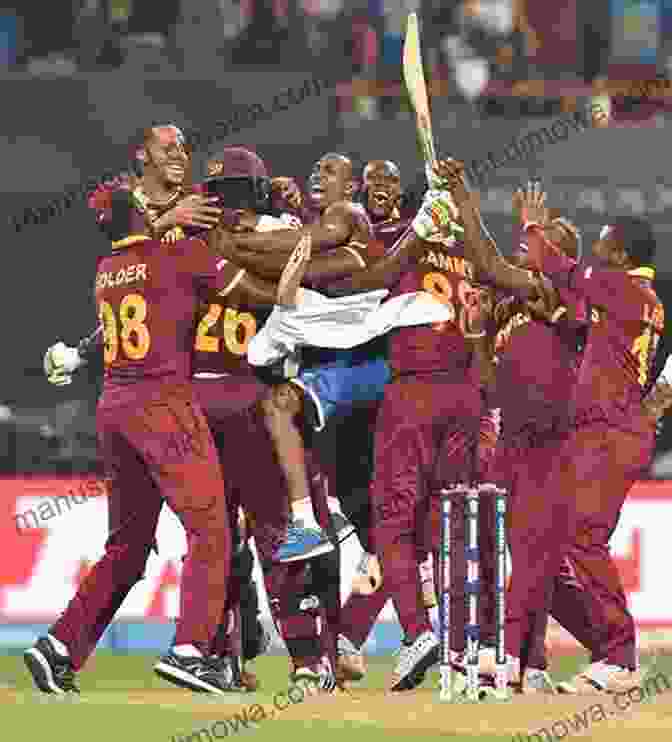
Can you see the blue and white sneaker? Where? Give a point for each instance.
(302, 542)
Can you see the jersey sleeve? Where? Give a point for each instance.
(211, 272)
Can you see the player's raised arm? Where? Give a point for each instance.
(336, 227)
(483, 251)
(383, 273)
(435, 213)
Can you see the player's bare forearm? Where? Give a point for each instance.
(386, 272)
(484, 359)
(487, 258)
(266, 266)
(321, 268)
(323, 237)
(255, 292)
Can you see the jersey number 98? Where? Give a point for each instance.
(128, 332)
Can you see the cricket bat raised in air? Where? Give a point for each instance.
(414, 77)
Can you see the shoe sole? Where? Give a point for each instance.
(39, 667)
(185, 679)
(322, 549)
(417, 674)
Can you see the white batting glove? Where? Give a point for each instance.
(435, 182)
(436, 213)
(60, 363)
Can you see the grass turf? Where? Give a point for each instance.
(123, 701)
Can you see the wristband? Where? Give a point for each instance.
(474, 335)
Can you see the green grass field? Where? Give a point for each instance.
(122, 701)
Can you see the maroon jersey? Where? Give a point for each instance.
(226, 325)
(147, 297)
(447, 275)
(536, 372)
(387, 232)
(621, 344)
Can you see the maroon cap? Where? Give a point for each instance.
(236, 162)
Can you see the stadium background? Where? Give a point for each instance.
(78, 82)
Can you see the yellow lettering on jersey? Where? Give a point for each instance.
(449, 263)
(129, 274)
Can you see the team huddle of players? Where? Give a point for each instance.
(533, 373)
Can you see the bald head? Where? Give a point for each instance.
(382, 189)
(385, 168)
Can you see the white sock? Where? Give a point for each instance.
(186, 650)
(303, 510)
(59, 647)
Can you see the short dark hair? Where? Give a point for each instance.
(637, 238)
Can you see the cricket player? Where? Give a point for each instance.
(157, 447)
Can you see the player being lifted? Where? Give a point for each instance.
(329, 380)
(427, 428)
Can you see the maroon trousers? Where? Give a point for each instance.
(425, 439)
(158, 451)
(255, 482)
(584, 492)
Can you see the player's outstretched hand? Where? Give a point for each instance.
(191, 211)
(449, 175)
(530, 204)
(289, 285)
(288, 191)
(547, 301)
(505, 309)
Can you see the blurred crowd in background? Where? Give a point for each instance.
(504, 57)
(473, 45)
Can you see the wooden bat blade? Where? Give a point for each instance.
(414, 77)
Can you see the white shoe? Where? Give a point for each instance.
(414, 660)
(600, 677)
